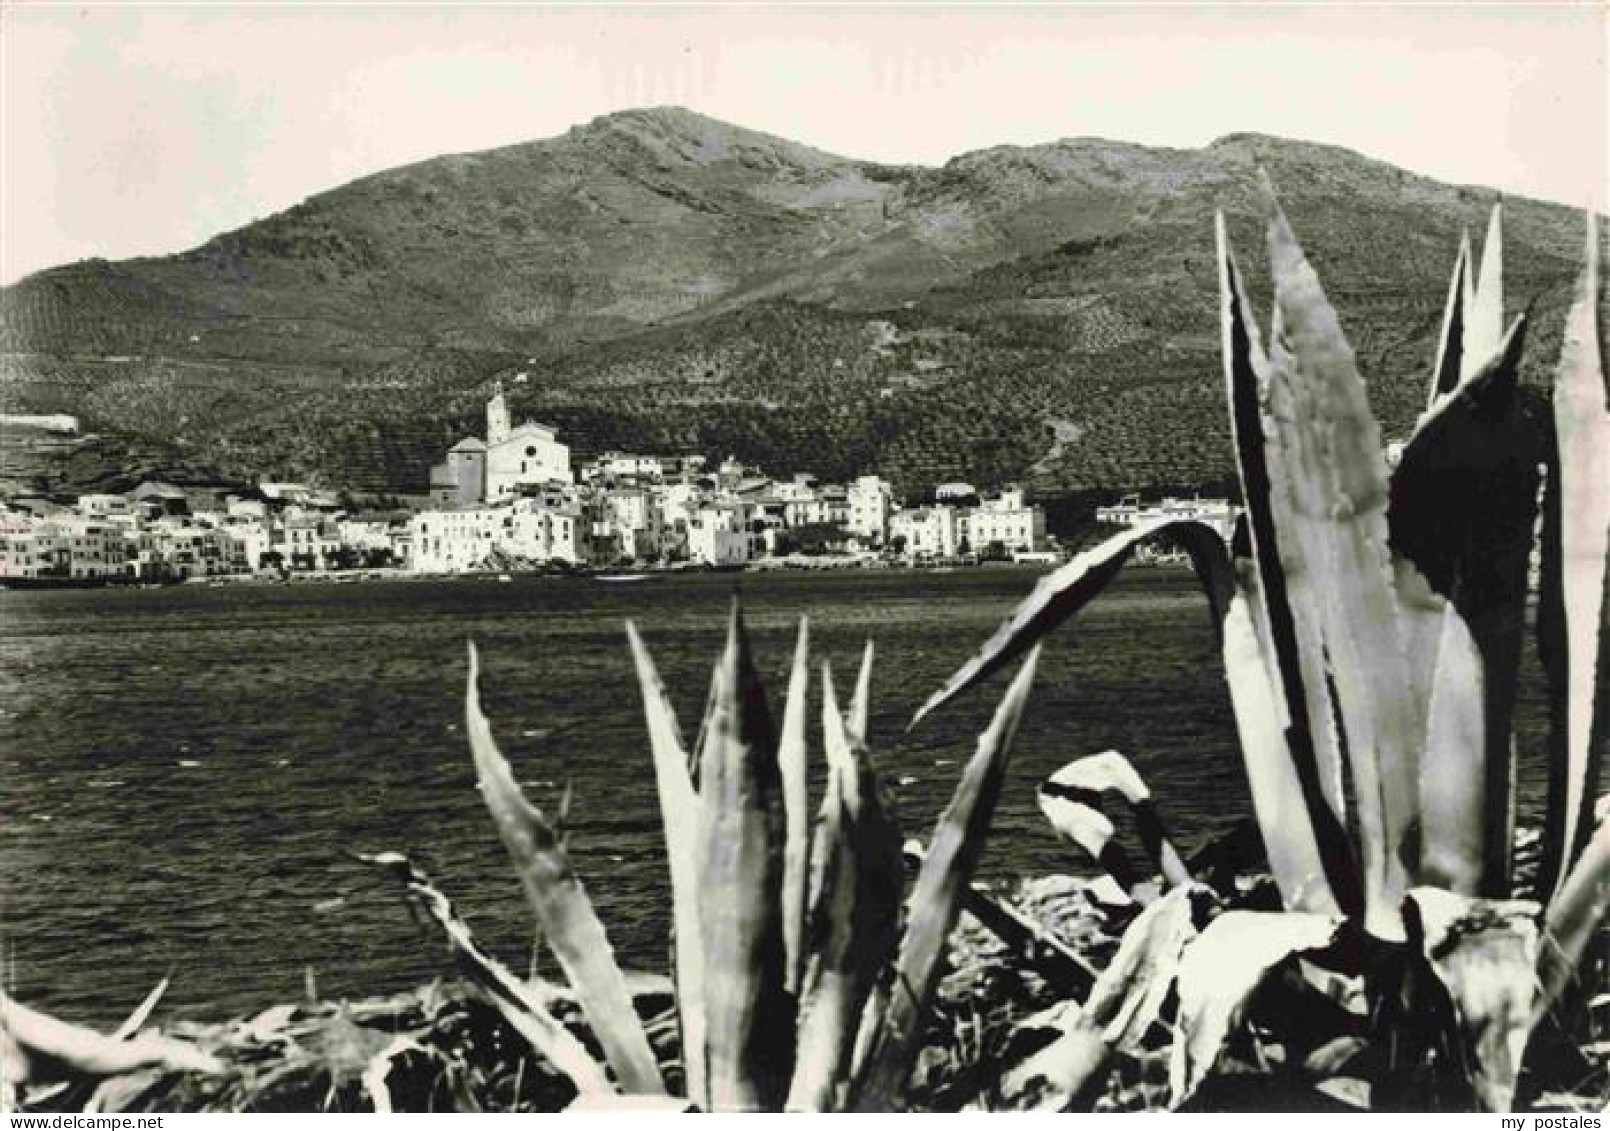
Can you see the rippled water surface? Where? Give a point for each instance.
(187, 771)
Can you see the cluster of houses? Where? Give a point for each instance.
(514, 500)
(159, 532)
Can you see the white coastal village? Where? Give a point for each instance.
(515, 502)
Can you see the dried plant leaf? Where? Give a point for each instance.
(560, 905)
(680, 817)
(38, 1048)
(1063, 592)
(1074, 792)
(521, 1005)
(1575, 558)
(749, 1013)
(1129, 994)
(953, 853)
(135, 1021)
(854, 916)
(1483, 952)
(1221, 971)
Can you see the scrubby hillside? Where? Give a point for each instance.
(664, 280)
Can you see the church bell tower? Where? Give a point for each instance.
(497, 417)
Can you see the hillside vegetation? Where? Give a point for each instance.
(666, 281)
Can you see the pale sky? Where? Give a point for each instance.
(135, 129)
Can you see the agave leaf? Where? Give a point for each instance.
(1075, 790)
(1337, 484)
(36, 1047)
(953, 853)
(1483, 952)
(861, 702)
(135, 1021)
(1218, 976)
(1129, 994)
(855, 915)
(560, 905)
(680, 816)
(749, 1013)
(792, 757)
(1038, 949)
(1124, 1004)
(1070, 1066)
(1445, 371)
(1089, 828)
(1484, 328)
(1574, 915)
(1278, 585)
(627, 1106)
(1463, 511)
(1285, 818)
(1063, 592)
(1571, 598)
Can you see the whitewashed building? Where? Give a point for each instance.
(717, 536)
(1006, 519)
(870, 500)
(928, 532)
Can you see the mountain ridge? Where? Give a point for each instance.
(1041, 313)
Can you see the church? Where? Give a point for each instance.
(496, 470)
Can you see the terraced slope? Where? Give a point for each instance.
(664, 280)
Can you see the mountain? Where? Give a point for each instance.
(657, 279)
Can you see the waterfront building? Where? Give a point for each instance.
(525, 529)
(928, 532)
(869, 501)
(1008, 521)
(717, 536)
(1130, 511)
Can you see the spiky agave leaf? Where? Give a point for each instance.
(516, 1001)
(854, 921)
(1463, 511)
(792, 756)
(1125, 1002)
(1293, 721)
(560, 904)
(1286, 817)
(1484, 328)
(749, 1013)
(1218, 976)
(1064, 591)
(1071, 799)
(36, 1047)
(1577, 911)
(860, 716)
(953, 853)
(1575, 559)
(1445, 369)
(681, 818)
(1337, 485)
(1483, 952)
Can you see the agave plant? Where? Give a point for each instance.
(797, 985)
(1372, 623)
